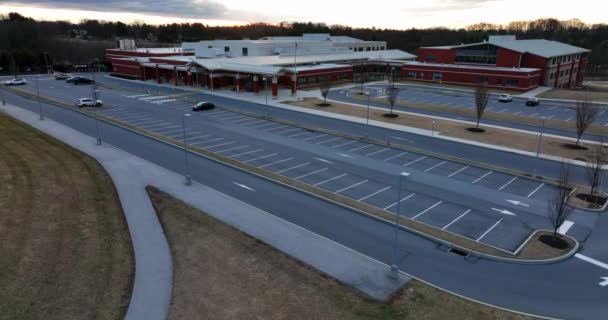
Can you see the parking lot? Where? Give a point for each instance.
(465, 100)
(273, 146)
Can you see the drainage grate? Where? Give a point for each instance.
(458, 252)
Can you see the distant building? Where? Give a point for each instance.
(502, 62)
(292, 62)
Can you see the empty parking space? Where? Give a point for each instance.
(473, 225)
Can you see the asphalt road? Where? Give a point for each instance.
(567, 289)
(553, 110)
(439, 195)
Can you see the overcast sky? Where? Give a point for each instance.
(397, 14)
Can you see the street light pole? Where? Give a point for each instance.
(95, 98)
(266, 88)
(540, 138)
(395, 266)
(368, 102)
(433, 128)
(187, 178)
(38, 98)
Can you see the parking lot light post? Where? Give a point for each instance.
(395, 265)
(95, 98)
(540, 137)
(38, 98)
(2, 97)
(187, 178)
(266, 88)
(368, 102)
(433, 128)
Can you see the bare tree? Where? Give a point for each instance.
(558, 204)
(481, 101)
(595, 172)
(586, 113)
(324, 88)
(392, 93)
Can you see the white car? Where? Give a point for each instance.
(505, 98)
(15, 82)
(88, 102)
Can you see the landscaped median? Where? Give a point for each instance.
(456, 129)
(442, 237)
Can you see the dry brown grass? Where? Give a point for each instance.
(494, 136)
(535, 249)
(221, 273)
(64, 244)
(599, 96)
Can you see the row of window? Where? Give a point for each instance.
(368, 48)
(563, 73)
(476, 59)
(564, 59)
(481, 79)
(323, 78)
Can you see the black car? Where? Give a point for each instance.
(79, 80)
(532, 102)
(203, 106)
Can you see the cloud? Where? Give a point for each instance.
(196, 9)
(438, 6)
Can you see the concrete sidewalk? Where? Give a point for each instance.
(153, 267)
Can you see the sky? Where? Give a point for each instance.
(395, 14)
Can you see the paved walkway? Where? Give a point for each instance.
(153, 266)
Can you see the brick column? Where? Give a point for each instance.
(188, 78)
(175, 75)
(256, 85)
(570, 77)
(142, 73)
(275, 87)
(294, 83)
(157, 74)
(557, 74)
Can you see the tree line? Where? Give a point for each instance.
(25, 40)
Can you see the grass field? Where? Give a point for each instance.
(221, 273)
(65, 250)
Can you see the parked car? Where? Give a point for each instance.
(201, 106)
(88, 102)
(61, 76)
(505, 98)
(79, 80)
(532, 102)
(15, 82)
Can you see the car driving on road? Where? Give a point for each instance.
(203, 106)
(15, 82)
(532, 102)
(505, 98)
(88, 102)
(79, 80)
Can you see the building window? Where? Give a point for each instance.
(561, 73)
(421, 75)
(245, 52)
(551, 75)
(482, 79)
(360, 48)
(302, 80)
(479, 54)
(513, 82)
(437, 76)
(226, 49)
(411, 74)
(499, 81)
(430, 58)
(368, 49)
(382, 48)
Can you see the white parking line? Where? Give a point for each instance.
(264, 125)
(233, 116)
(533, 192)
(569, 118)
(396, 156)
(376, 152)
(311, 173)
(243, 120)
(219, 145)
(233, 148)
(331, 179)
(343, 144)
(170, 131)
(485, 175)
(198, 137)
(319, 136)
(279, 161)
(138, 96)
(508, 183)
(299, 134)
(550, 117)
(352, 186)
(279, 127)
(566, 225)
(145, 122)
(294, 167)
(518, 112)
(454, 221)
(244, 153)
(394, 204)
(360, 148)
(246, 123)
(435, 166)
(216, 139)
(488, 231)
(152, 98)
(375, 193)
(534, 114)
(289, 130)
(137, 116)
(456, 172)
(163, 101)
(412, 162)
(161, 128)
(426, 210)
(114, 112)
(262, 157)
(330, 140)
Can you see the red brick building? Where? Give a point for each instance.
(503, 61)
